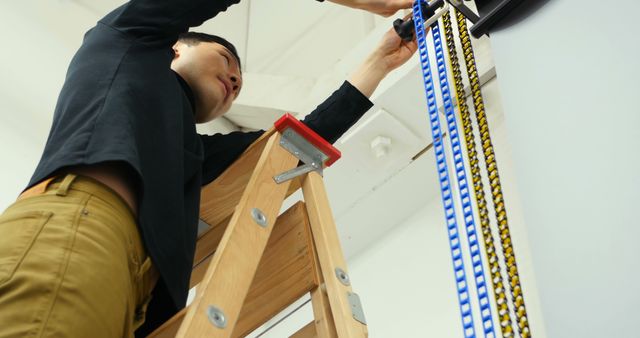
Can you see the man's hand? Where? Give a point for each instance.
(385, 8)
(390, 54)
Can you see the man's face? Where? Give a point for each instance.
(213, 74)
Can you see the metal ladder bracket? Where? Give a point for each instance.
(306, 152)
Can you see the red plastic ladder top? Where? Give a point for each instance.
(288, 121)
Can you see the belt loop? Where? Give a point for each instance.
(144, 267)
(63, 189)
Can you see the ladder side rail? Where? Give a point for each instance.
(220, 296)
(331, 258)
(325, 327)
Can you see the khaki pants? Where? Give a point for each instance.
(72, 264)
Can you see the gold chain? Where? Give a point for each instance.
(494, 180)
(469, 137)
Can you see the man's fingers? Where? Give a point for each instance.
(413, 45)
(406, 3)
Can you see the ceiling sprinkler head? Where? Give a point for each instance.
(380, 146)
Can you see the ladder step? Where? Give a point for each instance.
(308, 331)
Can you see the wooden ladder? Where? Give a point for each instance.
(250, 263)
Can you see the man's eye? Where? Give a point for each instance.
(226, 58)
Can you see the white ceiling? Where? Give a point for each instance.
(295, 53)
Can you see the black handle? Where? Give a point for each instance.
(405, 29)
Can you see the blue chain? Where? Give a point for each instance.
(465, 197)
(443, 176)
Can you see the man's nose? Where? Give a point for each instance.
(235, 82)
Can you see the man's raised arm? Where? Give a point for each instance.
(152, 21)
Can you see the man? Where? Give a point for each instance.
(111, 212)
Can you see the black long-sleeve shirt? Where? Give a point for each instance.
(122, 102)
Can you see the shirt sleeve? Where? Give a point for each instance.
(331, 119)
(153, 21)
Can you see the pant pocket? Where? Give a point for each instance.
(18, 231)
(146, 279)
(140, 314)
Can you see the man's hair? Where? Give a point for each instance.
(194, 38)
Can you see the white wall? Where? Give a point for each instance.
(406, 281)
(20, 156)
(569, 78)
(39, 42)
